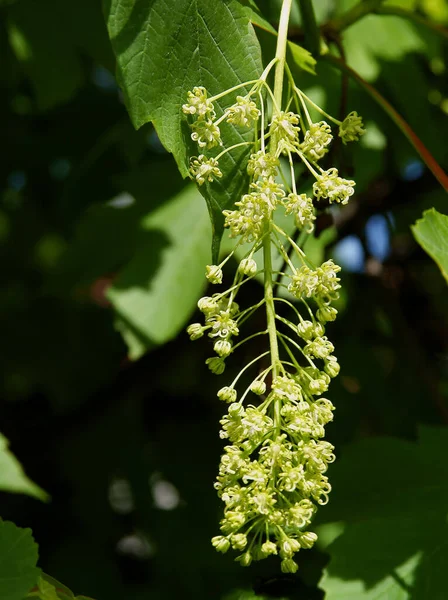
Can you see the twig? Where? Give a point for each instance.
(310, 28)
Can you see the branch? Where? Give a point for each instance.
(416, 142)
(310, 28)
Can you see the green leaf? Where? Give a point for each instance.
(431, 232)
(19, 554)
(157, 291)
(12, 476)
(49, 585)
(302, 58)
(47, 590)
(392, 496)
(166, 47)
(256, 18)
(51, 589)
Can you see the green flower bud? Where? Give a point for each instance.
(306, 330)
(308, 539)
(248, 267)
(221, 543)
(227, 394)
(245, 559)
(332, 367)
(236, 410)
(288, 547)
(216, 365)
(239, 541)
(213, 273)
(326, 313)
(258, 387)
(222, 348)
(319, 329)
(269, 548)
(195, 331)
(289, 566)
(207, 305)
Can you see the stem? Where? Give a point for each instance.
(270, 306)
(309, 24)
(280, 55)
(360, 10)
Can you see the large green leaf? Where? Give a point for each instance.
(18, 559)
(431, 232)
(12, 476)
(157, 291)
(392, 496)
(166, 47)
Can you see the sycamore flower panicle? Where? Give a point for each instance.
(243, 113)
(351, 128)
(273, 471)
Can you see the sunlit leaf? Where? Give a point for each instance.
(431, 232)
(12, 476)
(157, 291)
(164, 49)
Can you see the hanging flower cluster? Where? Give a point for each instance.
(272, 475)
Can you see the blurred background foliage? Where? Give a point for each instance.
(109, 406)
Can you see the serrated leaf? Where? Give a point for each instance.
(395, 534)
(256, 18)
(166, 47)
(157, 291)
(18, 560)
(302, 58)
(431, 232)
(12, 476)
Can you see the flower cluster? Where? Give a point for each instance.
(272, 475)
